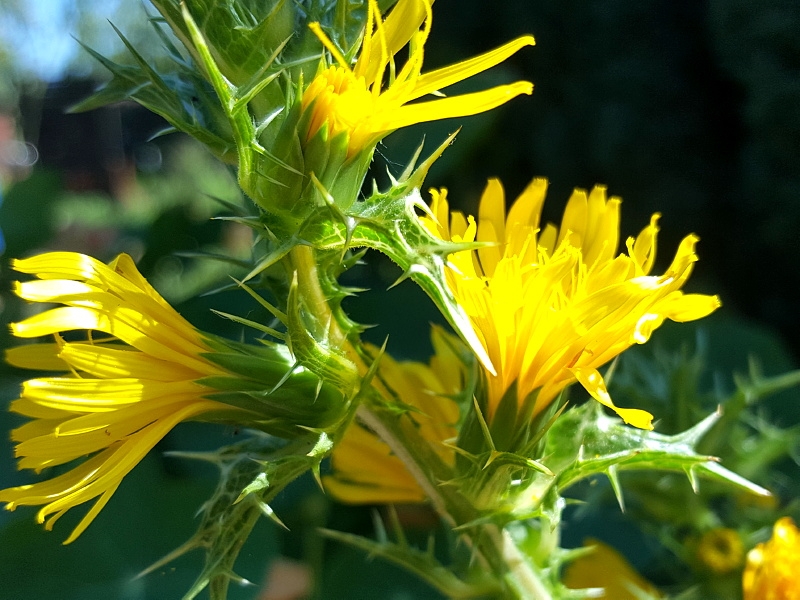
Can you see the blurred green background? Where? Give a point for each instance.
(688, 108)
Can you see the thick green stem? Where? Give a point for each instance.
(493, 546)
(304, 264)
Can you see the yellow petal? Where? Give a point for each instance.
(40, 357)
(29, 408)
(547, 239)
(108, 475)
(360, 493)
(523, 221)
(644, 249)
(61, 265)
(99, 395)
(457, 106)
(403, 21)
(114, 362)
(688, 307)
(121, 279)
(574, 222)
(446, 76)
(128, 325)
(593, 382)
(606, 568)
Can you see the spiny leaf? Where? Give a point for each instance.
(252, 472)
(250, 323)
(388, 222)
(585, 442)
(421, 563)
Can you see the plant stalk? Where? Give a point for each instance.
(494, 547)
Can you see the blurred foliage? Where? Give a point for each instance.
(687, 373)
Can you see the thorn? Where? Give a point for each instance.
(492, 456)
(417, 177)
(329, 200)
(285, 378)
(431, 545)
(373, 367)
(465, 453)
(612, 368)
(211, 457)
(396, 527)
(267, 262)
(269, 513)
(266, 121)
(392, 181)
(317, 390)
(237, 578)
(484, 427)
(694, 434)
(693, 479)
(261, 482)
(611, 473)
(315, 471)
(540, 467)
(405, 275)
(413, 162)
(187, 546)
(273, 310)
(380, 529)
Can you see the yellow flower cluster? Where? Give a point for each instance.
(773, 568)
(371, 99)
(553, 304)
(365, 470)
(120, 392)
(605, 568)
(720, 550)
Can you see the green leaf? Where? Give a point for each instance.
(252, 473)
(181, 96)
(584, 442)
(422, 563)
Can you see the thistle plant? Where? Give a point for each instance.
(494, 432)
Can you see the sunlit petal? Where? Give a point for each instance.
(134, 377)
(370, 99)
(551, 305)
(365, 470)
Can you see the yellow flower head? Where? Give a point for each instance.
(720, 550)
(365, 470)
(552, 305)
(120, 392)
(606, 568)
(772, 568)
(369, 100)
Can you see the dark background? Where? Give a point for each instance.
(690, 109)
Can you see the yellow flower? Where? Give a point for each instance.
(370, 99)
(120, 391)
(365, 470)
(720, 550)
(606, 568)
(552, 305)
(773, 567)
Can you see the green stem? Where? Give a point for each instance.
(303, 263)
(494, 547)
